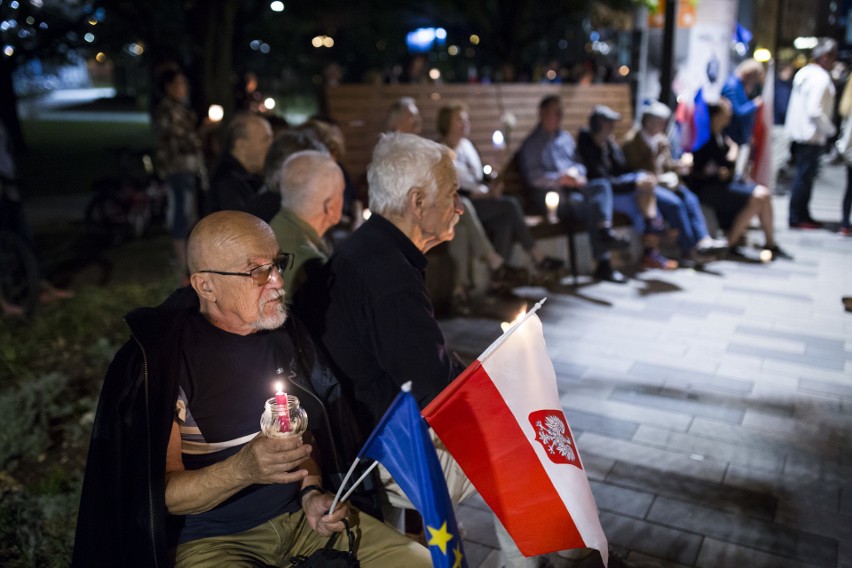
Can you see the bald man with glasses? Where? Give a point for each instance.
(177, 468)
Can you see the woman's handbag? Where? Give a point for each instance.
(328, 557)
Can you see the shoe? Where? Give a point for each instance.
(710, 247)
(845, 232)
(737, 253)
(777, 252)
(810, 224)
(611, 240)
(550, 264)
(847, 303)
(655, 259)
(510, 276)
(606, 272)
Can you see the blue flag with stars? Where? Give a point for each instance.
(402, 444)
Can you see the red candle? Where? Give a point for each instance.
(283, 408)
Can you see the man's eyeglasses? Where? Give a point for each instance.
(260, 274)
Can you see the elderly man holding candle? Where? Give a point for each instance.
(177, 469)
(549, 163)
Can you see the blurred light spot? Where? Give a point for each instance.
(805, 42)
(269, 103)
(89, 37)
(434, 74)
(497, 139)
(486, 169)
(366, 213)
(255, 44)
(215, 113)
(93, 22)
(563, 44)
(317, 41)
(453, 50)
(435, 96)
(14, 4)
(100, 57)
(441, 33)
(277, 6)
(474, 39)
(762, 54)
(30, 20)
(264, 48)
(624, 70)
(551, 75)
(328, 41)
(9, 51)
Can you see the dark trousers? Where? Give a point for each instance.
(807, 168)
(503, 220)
(847, 199)
(591, 204)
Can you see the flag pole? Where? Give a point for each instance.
(499, 341)
(406, 387)
(342, 485)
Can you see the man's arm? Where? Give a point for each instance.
(261, 461)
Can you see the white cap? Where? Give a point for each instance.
(656, 108)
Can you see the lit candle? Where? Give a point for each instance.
(552, 202)
(215, 113)
(283, 409)
(506, 325)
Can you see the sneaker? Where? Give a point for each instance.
(550, 264)
(777, 252)
(806, 225)
(655, 259)
(709, 247)
(606, 272)
(611, 240)
(845, 232)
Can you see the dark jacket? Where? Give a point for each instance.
(122, 519)
(234, 188)
(606, 162)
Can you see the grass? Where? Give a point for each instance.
(65, 156)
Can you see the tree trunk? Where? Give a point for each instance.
(9, 108)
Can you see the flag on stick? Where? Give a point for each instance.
(402, 444)
(764, 168)
(503, 422)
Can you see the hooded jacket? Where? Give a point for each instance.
(122, 520)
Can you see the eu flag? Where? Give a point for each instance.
(700, 121)
(402, 444)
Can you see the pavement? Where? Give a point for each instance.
(712, 409)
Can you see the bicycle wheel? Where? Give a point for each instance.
(19, 278)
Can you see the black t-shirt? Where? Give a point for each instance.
(226, 380)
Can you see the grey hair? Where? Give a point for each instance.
(401, 162)
(397, 108)
(300, 179)
(285, 145)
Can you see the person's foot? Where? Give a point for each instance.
(847, 303)
(845, 232)
(777, 252)
(655, 259)
(810, 224)
(709, 246)
(510, 276)
(606, 272)
(610, 240)
(550, 264)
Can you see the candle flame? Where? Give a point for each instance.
(506, 325)
(551, 199)
(279, 387)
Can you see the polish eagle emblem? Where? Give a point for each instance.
(553, 433)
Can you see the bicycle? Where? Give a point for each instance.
(127, 204)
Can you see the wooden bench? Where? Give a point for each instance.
(511, 109)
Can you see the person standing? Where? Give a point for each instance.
(809, 125)
(180, 158)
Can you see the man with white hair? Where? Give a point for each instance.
(369, 306)
(404, 116)
(809, 124)
(311, 187)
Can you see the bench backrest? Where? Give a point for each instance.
(361, 111)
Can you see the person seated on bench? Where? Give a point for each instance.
(735, 201)
(548, 163)
(633, 191)
(647, 148)
(177, 459)
(471, 242)
(501, 215)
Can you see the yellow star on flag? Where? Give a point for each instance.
(439, 537)
(457, 553)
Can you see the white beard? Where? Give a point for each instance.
(277, 318)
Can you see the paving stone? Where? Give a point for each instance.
(805, 359)
(715, 554)
(653, 539)
(677, 401)
(744, 531)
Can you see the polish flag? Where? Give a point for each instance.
(764, 168)
(501, 419)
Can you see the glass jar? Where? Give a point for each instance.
(269, 424)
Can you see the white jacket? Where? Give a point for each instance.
(811, 108)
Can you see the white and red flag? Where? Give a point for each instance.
(763, 171)
(502, 420)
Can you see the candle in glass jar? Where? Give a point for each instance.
(283, 408)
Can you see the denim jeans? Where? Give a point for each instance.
(681, 209)
(807, 168)
(591, 204)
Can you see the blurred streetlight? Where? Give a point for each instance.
(215, 113)
(762, 54)
(276, 6)
(269, 103)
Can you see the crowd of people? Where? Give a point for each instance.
(177, 470)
